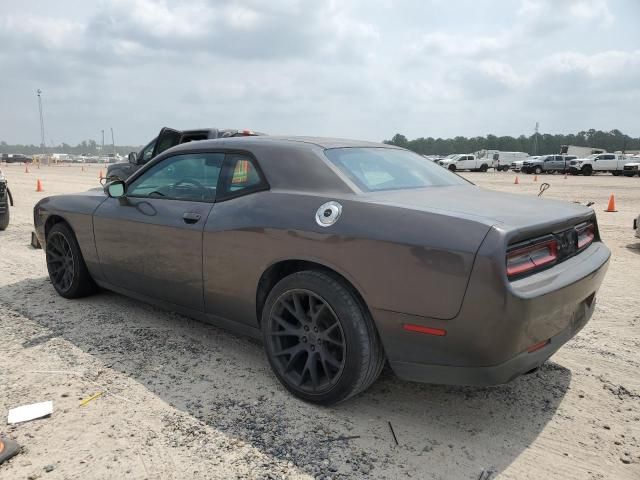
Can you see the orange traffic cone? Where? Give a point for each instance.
(612, 204)
(516, 181)
(100, 174)
(39, 186)
(535, 179)
(26, 168)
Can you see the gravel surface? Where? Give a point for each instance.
(182, 399)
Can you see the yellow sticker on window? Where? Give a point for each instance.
(241, 172)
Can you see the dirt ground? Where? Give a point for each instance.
(182, 399)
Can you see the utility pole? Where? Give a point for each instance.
(113, 143)
(102, 147)
(42, 141)
(535, 139)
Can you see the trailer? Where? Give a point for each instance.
(580, 152)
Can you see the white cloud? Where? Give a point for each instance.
(329, 68)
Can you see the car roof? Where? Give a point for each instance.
(322, 142)
(293, 163)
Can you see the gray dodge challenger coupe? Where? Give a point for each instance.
(339, 255)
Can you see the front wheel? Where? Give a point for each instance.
(67, 270)
(319, 339)
(587, 170)
(452, 168)
(538, 170)
(5, 217)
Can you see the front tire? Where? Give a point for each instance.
(320, 340)
(538, 170)
(587, 170)
(67, 269)
(4, 218)
(452, 168)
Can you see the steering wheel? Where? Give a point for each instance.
(192, 181)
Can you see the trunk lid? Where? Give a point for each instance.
(520, 215)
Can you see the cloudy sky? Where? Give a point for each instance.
(351, 68)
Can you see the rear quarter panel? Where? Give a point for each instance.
(398, 259)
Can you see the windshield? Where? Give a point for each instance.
(375, 169)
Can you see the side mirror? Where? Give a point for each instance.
(115, 189)
(133, 158)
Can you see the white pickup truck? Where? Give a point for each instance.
(632, 167)
(465, 162)
(599, 162)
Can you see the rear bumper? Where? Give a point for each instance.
(487, 342)
(492, 375)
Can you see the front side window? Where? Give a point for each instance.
(191, 177)
(375, 169)
(148, 151)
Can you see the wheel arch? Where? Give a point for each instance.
(283, 268)
(52, 220)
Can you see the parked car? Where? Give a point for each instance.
(601, 162)
(166, 139)
(501, 161)
(548, 164)
(632, 168)
(15, 158)
(6, 200)
(517, 165)
(636, 226)
(465, 162)
(339, 255)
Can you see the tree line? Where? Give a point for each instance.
(536, 144)
(86, 147)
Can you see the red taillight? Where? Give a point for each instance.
(586, 235)
(523, 260)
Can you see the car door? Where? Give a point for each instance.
(604, 162)
(231, 255)
(558, 163)
(149, 242)
(167, 138)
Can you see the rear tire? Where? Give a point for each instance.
(320, 340)
(67, 269)
(5, 217)
(484, 167)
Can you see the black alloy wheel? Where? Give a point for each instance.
(308, 341)
(319, 337)
(60, 262)
(67, 269)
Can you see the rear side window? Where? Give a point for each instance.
(374, 169)
(242, 176)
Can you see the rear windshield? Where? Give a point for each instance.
(375, 169)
